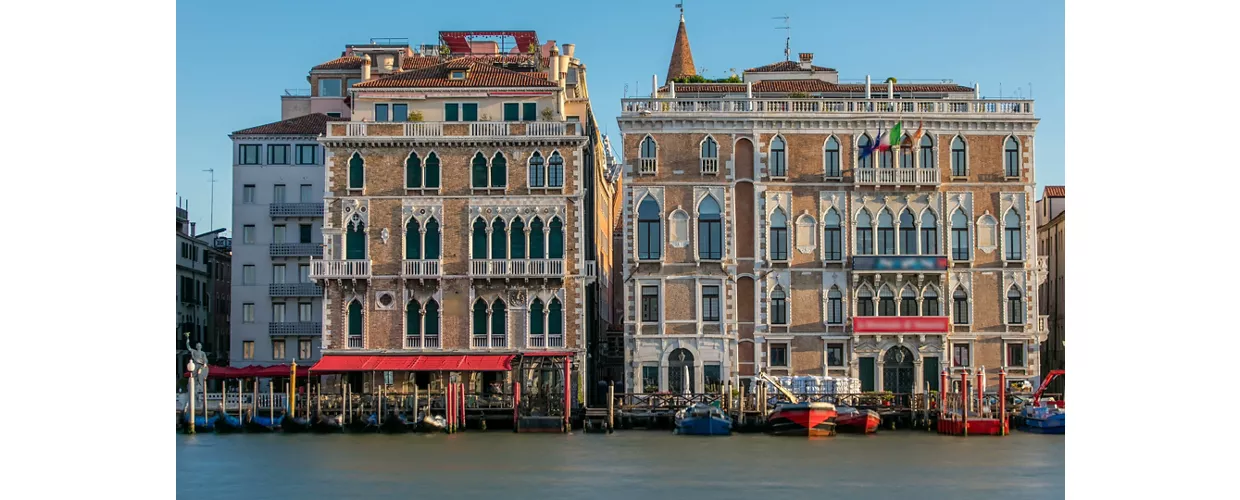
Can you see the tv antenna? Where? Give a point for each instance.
(212, 211)
(787, 37)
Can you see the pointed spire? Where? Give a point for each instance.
(681, 64)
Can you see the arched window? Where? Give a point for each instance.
(499, 323)
(832, 244)
(431, 173)
(478, 171)
(517, 239)
(710, 230)
(648, 147)
(413, 240)
(960, 166)
(960, 307)
(906, 151)
(862, 143)
(835, 307)
(887, 159)
(431, 249)
(886, 234)
(960, 236)
(831, 157)
(355, 242)
(1013, 247)
(865, 234)
(536, 318)
(930, 303)
(709, 159)
(431, 331)
(779, 235)
(537, 171)
(865, 302)
(649, 244)
(1011, 157)
(479, 239)
(357, 171)
(537, 242)
(908, 233)
(355, 324)
(555, 239)
(886, 302)
(555, 318)
(929, 234)
(555, 171)
(779, 307)
(908, 302)
(413, 171)
(648, 163)
(499, 170)
(480, 322)
(499, 239)
(779, 160)
(1016, 307)
(927, 152)
(413, 324)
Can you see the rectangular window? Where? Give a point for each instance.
(469, 112)
(333, 114)
(512, 111)
(350, 82)
(929, 241)
(278, 193)
(247, 313)
(277, 349)
(400, 112)
(960, 355)
(960, 243)
(779, 243)
(573, 119)
(277, 312)
(451, 112)
(304, 231)
(835, 310)
(306, 194)
(650, 303)
(247, 349)
(529, 112)
(279, 233)
(277, 154)
(307, 154)
(865, 306)
(247, 274)
(650, 378)
(908, 306)
(247, 193)
(329, 88)
(710, 303)
(304, 347)
(908, 240)
(960, 308)
(865, 241)
(248, 154)
(835, 354)
(1016, 354)
(779, 355)
(303, 273)
(305, 312)
(278, 274)
(930, 306)
(381, 112)
(834, 250)
(712, 376)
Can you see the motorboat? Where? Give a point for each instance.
(797, 418)
(1044, 416)
(854, 421)
(702, 420)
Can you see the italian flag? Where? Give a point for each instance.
(885, 143)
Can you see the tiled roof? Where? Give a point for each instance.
(312, 124)
(418, 62)
(811, 86)
(1053, 192)
(346, 62)
(500, 58)
(481, 74)
(906, 87)
(784, 66)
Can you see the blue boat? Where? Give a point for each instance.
(225, 423)
(202, 423)
(265, 423)
(703, 420)
(1044, 417)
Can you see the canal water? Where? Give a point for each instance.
(630, 465)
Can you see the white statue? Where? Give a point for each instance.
(200, 362)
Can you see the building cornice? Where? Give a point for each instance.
(449, 142)
(703, 124)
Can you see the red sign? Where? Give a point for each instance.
(896, 324)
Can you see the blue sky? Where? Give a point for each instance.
(235, 58)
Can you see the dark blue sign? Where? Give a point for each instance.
(899, 263)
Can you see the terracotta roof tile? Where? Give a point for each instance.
(811, 86)
(312, 124)
(418, 62)
(1053, 192)
(481, 74)
(784, 66)
(346, 62)
(906, 87)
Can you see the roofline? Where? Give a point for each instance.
(484, 89)
(234, 136)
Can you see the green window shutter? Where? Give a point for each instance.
(413, 172)
(431, 248)
(479, 171)
(555, 240)
(413, 238)
(536, 238)
(355, 318)
(400, 112)
(499, 240)
(555, 318)
(931, 372)
(511, 110)
(413, 318)
(480, 318)
(536, 317)
(499, 171)
(451, 112)
(480, 239)
(866, 367)
(357, 172)
(355, 243)
(432, 317)
(528, 112)
(470, 112)
(499, 319)
(432, 171)
(517, 236)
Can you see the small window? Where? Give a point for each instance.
(278, 274)
(247, 274)
(247, 234)
(381, 112)
(248, 154)
(650, 304)
(831, 158)
(469, 112)
(304, 348)
(329, 88)
(1016, 355)
(960, 307)
(247, 349)
(247, 313)
(779, 354)
(960, 355)
(277, 154)
(279, 233)
(710, 303)
(457, 75)
(349, 83)
(277, 349)
(779, 307)
(306, 193)
(334, 114)
(277, 312)
(247, 193)
(304, 233)
(835, 354)
(400, 112)
(307, 154)
(303, 273)
(959, 158)
(305, 312)
(1011, 157)
(278, 193)
(779, 163)
(835, 307)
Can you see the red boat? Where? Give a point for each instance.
(803, 419)
(854, 421)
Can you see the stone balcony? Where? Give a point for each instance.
(516, 268)
(420, 268)
(896, 177)
(407, 130)
(893, 108)
(340, 269)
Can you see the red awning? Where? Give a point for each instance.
(227, 372)
(414, 363)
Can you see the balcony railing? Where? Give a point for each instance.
(546, 341)
(421, 342)
(422, 268)
(294, 290)
(296, 250)
(296, 210)
(647, 166)
(897, 176)
(340, 269)
(1043, 323)
(295, 328)
(454, 129)
(710, 166)
(516, 268)
(480, 341)
(355, 341)
(828, 106)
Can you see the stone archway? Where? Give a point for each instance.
(679, 363)
(898, 371)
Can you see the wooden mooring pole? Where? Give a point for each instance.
(611, 407)
(193, 420)
(1003, 416)
(964, 400)
(516, 406)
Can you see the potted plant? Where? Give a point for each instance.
(415, 116)
(546, 114)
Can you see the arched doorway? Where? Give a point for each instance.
(898, 370)
(680, 371)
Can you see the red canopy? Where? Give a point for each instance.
(341, 363)
(226, 372)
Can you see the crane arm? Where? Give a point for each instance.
(788, 394)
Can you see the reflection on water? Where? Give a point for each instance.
(633, 465)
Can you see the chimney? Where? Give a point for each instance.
(807, 58)
(564, 60)
(191, 228)
(569, 49)
(365, 68)
(672, 89)
(977, 91)
(891, 89)
(867, 86)
(654, 86)
(749, 90)
(553, 65)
